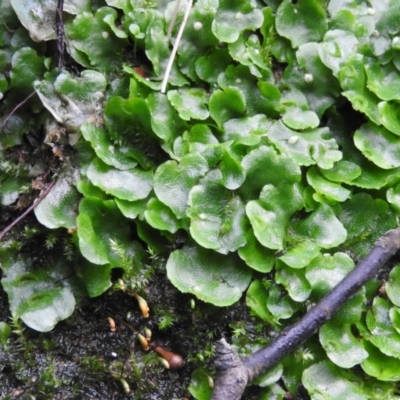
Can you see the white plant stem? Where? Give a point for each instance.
(173, 19)
(175, 48)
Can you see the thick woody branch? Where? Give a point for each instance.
(234, 374)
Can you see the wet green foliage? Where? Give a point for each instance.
(268, 168)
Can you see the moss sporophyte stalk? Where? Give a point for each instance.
(247, 152)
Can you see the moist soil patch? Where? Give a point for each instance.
(81, 358)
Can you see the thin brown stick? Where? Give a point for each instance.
(60, 33)
(235, 373)
(14, 110)
(27, 211)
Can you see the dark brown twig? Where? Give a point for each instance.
(14, 110)
(27, 211)
(234, 374)
(60, 33)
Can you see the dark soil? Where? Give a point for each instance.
(82, 359)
